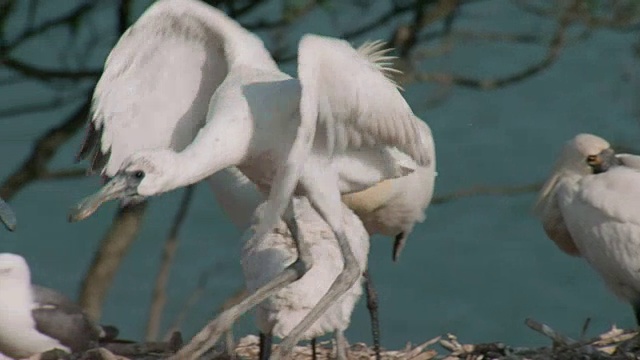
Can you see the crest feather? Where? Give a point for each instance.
(376, 52)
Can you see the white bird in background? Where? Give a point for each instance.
(260, 120)
(35, 319)
(589, 208)
(263, 259)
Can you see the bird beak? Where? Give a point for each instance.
(604, 161)
(118, 187)
(7, 216)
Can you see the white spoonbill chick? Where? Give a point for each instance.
(263, 259)
(260, 120)
(35, 319)
(589, 207)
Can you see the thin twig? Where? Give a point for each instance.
(24, 109)
(486, 190)
(43, 151)
(45, 74)
(547, 331)
(553, 52)
(159, 297)
(31, 32)
(107, 259)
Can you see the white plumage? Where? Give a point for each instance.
(263, 259)
(589, 207)
(284, 134)
(34, 319)
(18, 335)
(393, 207)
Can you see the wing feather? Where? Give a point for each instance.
(548, 210)
(357, 103)
(158, 80)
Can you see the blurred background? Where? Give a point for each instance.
(503, 84)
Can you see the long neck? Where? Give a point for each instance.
(237, 196)
(224, 141)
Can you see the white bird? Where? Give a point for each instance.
(263, 259)
(260, 120)
(393, 206)
(35, 319)
(589, 208)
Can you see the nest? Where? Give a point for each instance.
(615, 344)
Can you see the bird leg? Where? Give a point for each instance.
(209, 335)
(341, 345)
(636, 311)
(372, 305)
(314, 354)
(265, 346)
(230, 344)
(327, 203)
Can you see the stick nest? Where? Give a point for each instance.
(615, 344)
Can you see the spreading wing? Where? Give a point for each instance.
(357, 104)
(347, 101)
(158, 80)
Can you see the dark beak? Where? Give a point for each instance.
(605, 160)
(120, 186)
(7, 216)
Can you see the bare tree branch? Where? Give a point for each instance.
(45, 74)
(45, 148)
(106, 262)
(31, 32)
(486, 190)
(159, 297)
(24, 109)
(555, 46)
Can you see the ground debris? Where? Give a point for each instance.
(615, 344)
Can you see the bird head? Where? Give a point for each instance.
(587, 154)
(143, 174)
(13, 268)
(583, 155)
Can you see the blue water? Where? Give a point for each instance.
(477, 267)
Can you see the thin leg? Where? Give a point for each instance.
(314, 354)
(372, 305)
(341, 345)
(398, 245)
(329, 206)
(265, 346)
(229, 344)
(636, 311)
(209, 335)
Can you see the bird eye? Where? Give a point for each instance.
(138, 174)
(592, 159)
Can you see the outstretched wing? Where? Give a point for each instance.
(158, 80)
(357, 104)
(347, 102)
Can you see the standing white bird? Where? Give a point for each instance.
(263, 259)
(260, 120)
(35, 319)
(589, 208)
